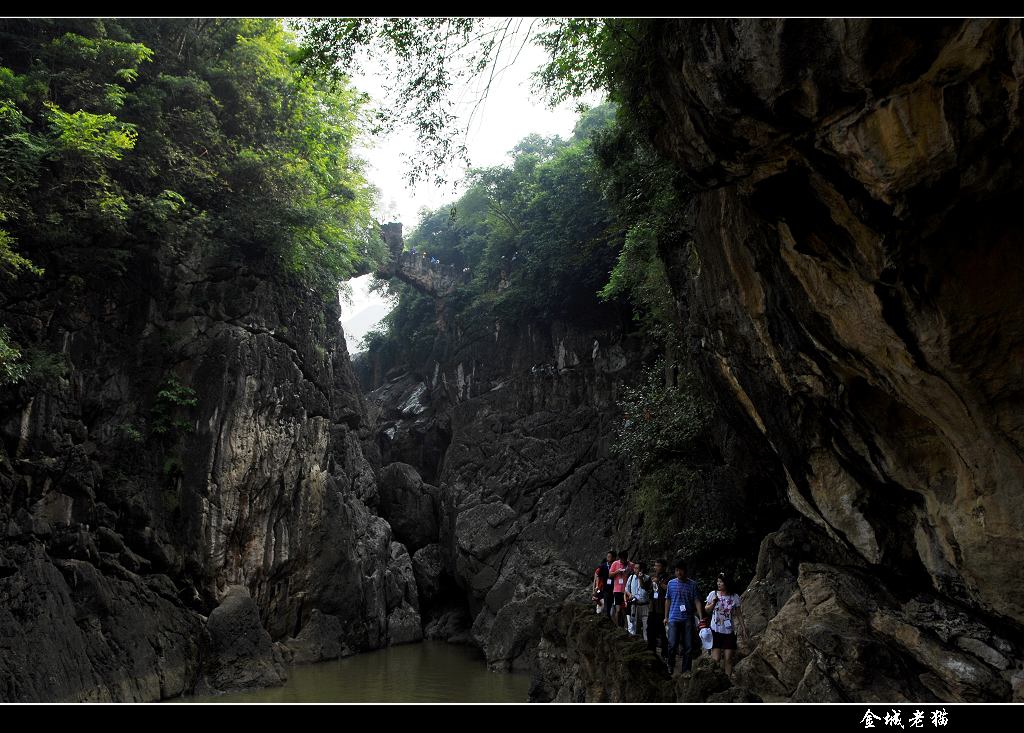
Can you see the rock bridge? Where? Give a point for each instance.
(438, 281)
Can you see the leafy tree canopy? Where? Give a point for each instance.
(116, 135)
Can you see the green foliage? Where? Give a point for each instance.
(537, 236)
(663, 439)
(373, 340)
(45, 366)
(94, 137)
(131, 433)
(123, 135)
(173, 466)
(662, 422)
(12, 368)
(19, 154)
(172, 400)
(89, 67)
(559, 208)
(426, 59)
(59, 138)
(581, 53)
(429, 63)
(646, 193)
(10, 261)
(659, 492)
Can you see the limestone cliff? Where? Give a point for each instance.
(497, 454)
(128, 511)
(856, 290)
(511, 425)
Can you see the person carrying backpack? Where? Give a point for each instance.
(638, 591)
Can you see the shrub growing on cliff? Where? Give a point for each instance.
(12, 368)
(645, 192)
(663, 439)
(537, 236)
(172, 400)
(662, 421)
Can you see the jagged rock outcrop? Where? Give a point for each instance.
(402, 598)
(410, 431)
(410, 505)
(204, 431)
(582, 657)
(853, 286)
(528, 488)
(74, 631)
(238, 652)
(829, 628)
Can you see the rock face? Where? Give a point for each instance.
(204, 432)
(74, 631)
(582, 657)
(851, 289)
(514, 423)
(410, 505)
(828, 628)
(239, 652)
(854, 287)
(402, 598)
(528, 493)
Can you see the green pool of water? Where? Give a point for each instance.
(429, 672)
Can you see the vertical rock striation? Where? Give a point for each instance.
(855, 290)
(122, 537)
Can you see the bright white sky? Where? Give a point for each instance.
(510, 112)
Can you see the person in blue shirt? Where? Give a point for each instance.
(681, 604)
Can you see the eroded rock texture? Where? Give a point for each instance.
(581, 657)
(856, 289)
(238, 650)
(513, 424)
(261, 483)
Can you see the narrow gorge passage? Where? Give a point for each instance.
(755, 306)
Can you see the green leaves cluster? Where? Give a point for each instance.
(584, 55)
(173, 400)
(663, 438)
(12, 368)
(662, 422)
(647, 195)
(421, 61)
(537, 236)
(118, 135)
